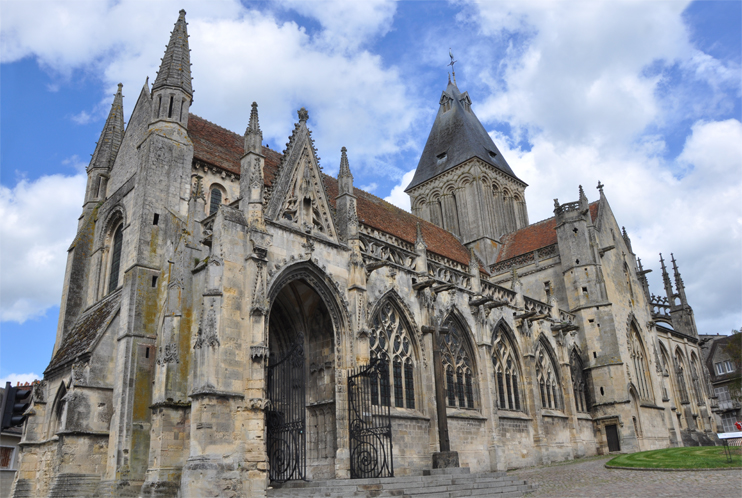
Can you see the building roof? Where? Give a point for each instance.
(113, 133)
(223, 148)
(88, 327)
(533, 237)
(456, 136)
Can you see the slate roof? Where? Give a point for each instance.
(223, 148)
(459, 134)
(533, 237)
(86, 330)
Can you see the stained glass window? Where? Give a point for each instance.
(506, 372)
(456, 357)
(118, 239)
(639, 360)
(390, 341)
(546, 375)
(215, 201)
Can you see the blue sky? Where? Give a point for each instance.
(644, 96)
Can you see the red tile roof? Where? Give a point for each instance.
(532, 237)
(223, 148)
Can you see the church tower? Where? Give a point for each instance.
(172, 93)
(463, 183)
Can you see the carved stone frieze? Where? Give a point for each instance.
(168, 354)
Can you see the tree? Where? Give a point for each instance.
(734, 350)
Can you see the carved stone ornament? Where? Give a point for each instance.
(168, 354)
(207, 332)
(258, 404)
(259, 352)
(39, 391)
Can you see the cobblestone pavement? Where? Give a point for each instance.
(588, 478)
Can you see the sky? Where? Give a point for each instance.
(644, 96)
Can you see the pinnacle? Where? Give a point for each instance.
(112, 134)
(344, 166)
(175, 70)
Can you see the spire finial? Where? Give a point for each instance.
(303, 115)
(419, 240)
(453, 69)
(600, 187)
(253, 135)
(344, 165)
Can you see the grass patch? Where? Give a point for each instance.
(693, 457)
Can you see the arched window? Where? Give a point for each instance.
(215, 200)
(680, 377)
(118, 239)
(548, 380)
(507, 372)
(579, 382)
(390, 341)
(457, 363)
(697, 386)
(639, 362)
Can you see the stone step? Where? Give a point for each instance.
(74, 486)
(440, 485)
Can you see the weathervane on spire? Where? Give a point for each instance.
(453, 71)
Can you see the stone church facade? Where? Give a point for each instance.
(204, 261)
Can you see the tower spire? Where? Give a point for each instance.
(105, 151)
(253, 134)
(345, 178)
(666, 281)
(679, 285)
(111, 136)
(175, 70)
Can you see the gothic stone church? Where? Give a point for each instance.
(233, 316)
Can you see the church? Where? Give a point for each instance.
(233, 317)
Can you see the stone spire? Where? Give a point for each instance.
(175, 70)
(668, 284)
(105, 152)
(253, 135)
(679, 285)
(345, 178)
(111, 136)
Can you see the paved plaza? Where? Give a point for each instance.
(589, 478)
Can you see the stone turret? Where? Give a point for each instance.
(252, 183)
(172, 92)
(105, 152)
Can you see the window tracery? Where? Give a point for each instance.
(548, 381)
(115, 268)
(390, 341)
(639, 361)
(579, 382)
(507, 373)
(458, 365)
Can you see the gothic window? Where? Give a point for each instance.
(579, 382)
(639, 363)
(215, 200)
(118, 238)
(680, 377)
(458, 365)
(548, 380)
(391, 342)
(697, 386)
(507, 373)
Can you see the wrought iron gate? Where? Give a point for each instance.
(370, 421)
(286, 417)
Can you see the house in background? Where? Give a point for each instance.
(9, 451)
(722, 373)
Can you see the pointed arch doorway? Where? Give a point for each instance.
(301, 420)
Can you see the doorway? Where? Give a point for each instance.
(611, 434)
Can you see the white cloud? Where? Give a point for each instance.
(397, 196)
(370, 187)
(38, 220)
(347, 25)
(14, 379)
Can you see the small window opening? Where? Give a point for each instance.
(577, 261)
(154, 281)
(170, 108)
(441, 157)
(146, 352)
(156, 219)
(492, 154)
(574, 230)
(595, 355)
(602, 393)
(216, 200)
(591, 320)
(159, 105)
(584, 290)
(180, 118)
